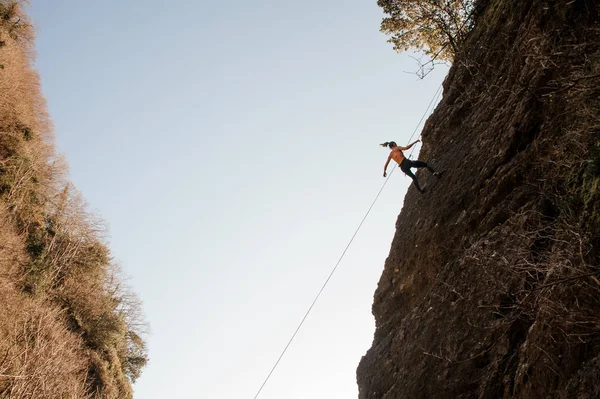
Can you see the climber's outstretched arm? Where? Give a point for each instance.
(408, 146)
(386, 165)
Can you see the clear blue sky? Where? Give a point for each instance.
(232, 148)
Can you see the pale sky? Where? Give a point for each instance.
(232, 148)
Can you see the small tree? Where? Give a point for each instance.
(436, 27)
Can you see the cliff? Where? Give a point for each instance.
(69, 328)
(492, 285)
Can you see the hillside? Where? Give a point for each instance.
(492, 285)
(69, 327)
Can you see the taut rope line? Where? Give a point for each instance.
(342, 256)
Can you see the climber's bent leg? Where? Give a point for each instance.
(405, 167)
(421, 164)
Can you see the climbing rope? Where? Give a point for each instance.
(343, 253)
(437, 93)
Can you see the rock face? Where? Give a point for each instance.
(492, 285)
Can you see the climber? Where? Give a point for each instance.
(405, 164)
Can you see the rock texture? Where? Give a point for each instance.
(492, 285)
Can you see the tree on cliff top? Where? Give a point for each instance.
(436, 27)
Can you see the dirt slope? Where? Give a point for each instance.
(492, 285)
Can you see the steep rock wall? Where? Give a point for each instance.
(492, 285)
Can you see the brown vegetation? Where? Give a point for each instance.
(69, 326)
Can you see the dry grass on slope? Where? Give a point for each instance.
(39, 358)
(69, 326)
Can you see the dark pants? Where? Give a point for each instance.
(407, 164)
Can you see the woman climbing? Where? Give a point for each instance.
(405, 164)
